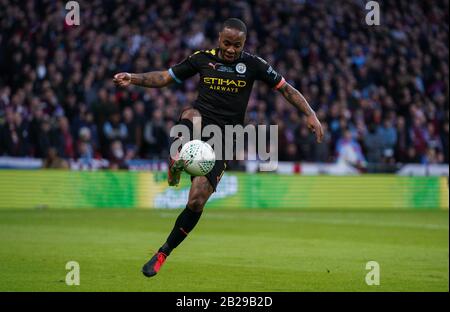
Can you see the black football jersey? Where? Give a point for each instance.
(224, 88)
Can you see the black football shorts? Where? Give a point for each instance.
(218, 170)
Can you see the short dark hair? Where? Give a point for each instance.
(235, 23)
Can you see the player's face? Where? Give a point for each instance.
(231, 43)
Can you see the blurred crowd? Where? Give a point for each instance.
(381, 92)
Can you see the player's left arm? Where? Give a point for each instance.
(294, 97)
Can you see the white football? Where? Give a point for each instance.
(198, 157)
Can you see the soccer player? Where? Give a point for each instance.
(227, 74)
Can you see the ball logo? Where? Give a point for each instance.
(241, 68)
(198, 157)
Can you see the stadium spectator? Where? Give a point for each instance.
(68, 149)
(155, 135)
(114, 129)
(47, 137)
(140, 120)
(349, 151)
(130, 123)
(304, 145)
(117, 155)
(403, 140)
(85, 150)
(388, 135)
(419, 135)
(444, 138)
(374, 144)
(53, 160)
(411, 156)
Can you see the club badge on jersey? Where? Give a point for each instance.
(241, 68)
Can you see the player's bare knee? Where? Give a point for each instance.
(197, 203)
(190, 114)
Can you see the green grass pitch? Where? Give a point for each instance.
(229, 250)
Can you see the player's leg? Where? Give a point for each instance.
(201, 190)
(175, 164)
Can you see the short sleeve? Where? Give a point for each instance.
(185, 69)
(266, 73)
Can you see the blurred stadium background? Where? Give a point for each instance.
(70, 139)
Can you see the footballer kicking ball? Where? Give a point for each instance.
(198, 157)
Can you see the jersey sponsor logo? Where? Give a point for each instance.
(241, 68)
(225, 85)
(220, 67)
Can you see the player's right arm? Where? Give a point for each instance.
(266, 73)
(158, 79)
(155, 79)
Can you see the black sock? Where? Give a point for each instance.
(185, 222)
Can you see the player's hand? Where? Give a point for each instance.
(315, 126)
(122, 79)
